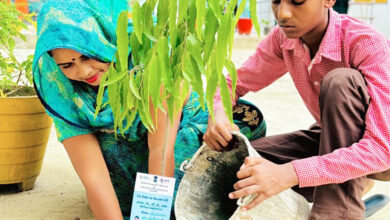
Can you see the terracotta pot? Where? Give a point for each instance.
(24, 133)
(244, 25)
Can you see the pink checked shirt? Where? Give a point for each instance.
(347, 43)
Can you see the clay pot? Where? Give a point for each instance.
(24, 133)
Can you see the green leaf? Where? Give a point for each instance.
(240, 9)
(130, 117)
(162, 17)
(144, 50)
(150, 35)
(233, 75)
(191, 17)
(210, 31)
(162, 9)
(215, 7)
(254, 18)
(194, 47)
(11, 43)
(118, 65)
(226, 99)
(133, 85)
(124, 91)
(200, 16)
(137, 21)
(113, 93)
(123, 40)
(197, 82)
(183, 7)
(99, 98)
(222, 41)
(172, 16)
(177, 54)
(147, 9)
(130, 97)
(229, 11)
(115, 77)
(22, 37)
(155, 81)
(164, 64)
(170, 104)
(183, 88)
(187, 70)
(145, 94)
(143, 113)
(135, 47)
(212, 84)
(233, 4)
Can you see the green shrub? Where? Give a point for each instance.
(15, 76)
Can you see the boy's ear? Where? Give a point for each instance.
(329, 3)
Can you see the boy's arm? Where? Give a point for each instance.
(87, 159)
(258, 71)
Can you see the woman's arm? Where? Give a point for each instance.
(87, 159)
(156, 141)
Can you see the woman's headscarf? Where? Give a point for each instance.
(88, 27)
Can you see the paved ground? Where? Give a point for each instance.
(58, 193)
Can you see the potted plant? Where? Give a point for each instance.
(190, 40)
(24, 125)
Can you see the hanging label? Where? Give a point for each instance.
(152, 198)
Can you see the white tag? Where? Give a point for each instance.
(152, 198)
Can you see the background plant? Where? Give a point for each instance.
(191, 40)
(14, 75)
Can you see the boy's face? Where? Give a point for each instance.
(302, 18)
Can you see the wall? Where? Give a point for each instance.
(27, 6)
(380, 15)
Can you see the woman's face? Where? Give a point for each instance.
(78, 67)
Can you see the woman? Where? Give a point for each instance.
(76, 42)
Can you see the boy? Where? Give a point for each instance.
(341, 68)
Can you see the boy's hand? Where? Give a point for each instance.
(218, 133)
(258, 175)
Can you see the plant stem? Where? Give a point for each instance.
(163, 161)
(19, 76)
(9, 52)
(5, 46)
(13, 91)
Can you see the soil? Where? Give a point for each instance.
(23, 91)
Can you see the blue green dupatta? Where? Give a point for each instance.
(88, 27)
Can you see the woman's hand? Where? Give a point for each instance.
(218, 133)
(258, 175)
(87, 159)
